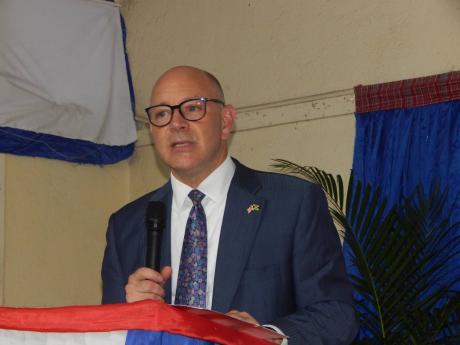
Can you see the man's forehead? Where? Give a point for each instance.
(179, 87)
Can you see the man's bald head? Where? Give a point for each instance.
(176, 75)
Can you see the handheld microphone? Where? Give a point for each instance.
(155, 223)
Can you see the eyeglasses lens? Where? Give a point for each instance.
(194, 109)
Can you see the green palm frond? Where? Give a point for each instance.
(333, 187)
(397, 256)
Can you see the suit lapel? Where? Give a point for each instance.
(164, 194)
(239, 229)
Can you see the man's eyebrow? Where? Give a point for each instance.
(191, 97)
(183, 100)
(161, 103)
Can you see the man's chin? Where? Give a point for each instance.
(184, 170)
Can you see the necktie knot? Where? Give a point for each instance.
(196, 196)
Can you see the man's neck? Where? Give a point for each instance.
(194, 179)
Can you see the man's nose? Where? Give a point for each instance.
(177, 120)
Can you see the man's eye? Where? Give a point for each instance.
(192, 108)
(161, 114)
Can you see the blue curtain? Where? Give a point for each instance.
(400, 149)
(408, 135)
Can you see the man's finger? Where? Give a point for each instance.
(145, 273)
(166, 273)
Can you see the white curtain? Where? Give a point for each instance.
(63, 75)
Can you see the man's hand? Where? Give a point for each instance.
(246, 317)
(243, 316)
(146, 283)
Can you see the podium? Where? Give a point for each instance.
(145, 322)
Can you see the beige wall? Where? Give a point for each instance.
(289, 65)
(55, 219)
(269, 50)
(274, 54)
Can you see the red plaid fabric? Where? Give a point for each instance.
(408, 93)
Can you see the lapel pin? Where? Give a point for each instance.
(253, 208)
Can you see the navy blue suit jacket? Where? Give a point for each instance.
(282, 264)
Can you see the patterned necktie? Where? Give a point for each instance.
(192, 277)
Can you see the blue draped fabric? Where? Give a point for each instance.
(139, 337)
(401, 148)
(408, 135)
(28, 143)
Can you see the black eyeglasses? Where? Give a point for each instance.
(191, 110)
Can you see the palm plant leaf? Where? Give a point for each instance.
(397, 256)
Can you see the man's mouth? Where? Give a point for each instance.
(181, 144)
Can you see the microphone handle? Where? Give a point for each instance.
(153, 249)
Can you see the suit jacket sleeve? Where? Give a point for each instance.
(125, 248)
(112, 278)
(325, 313)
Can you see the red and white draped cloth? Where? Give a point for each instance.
(146, 322)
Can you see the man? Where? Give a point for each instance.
(270, 252)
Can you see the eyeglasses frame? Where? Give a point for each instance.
(178, 106)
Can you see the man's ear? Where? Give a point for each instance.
(228, 119)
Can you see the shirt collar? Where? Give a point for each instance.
(215, 186)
